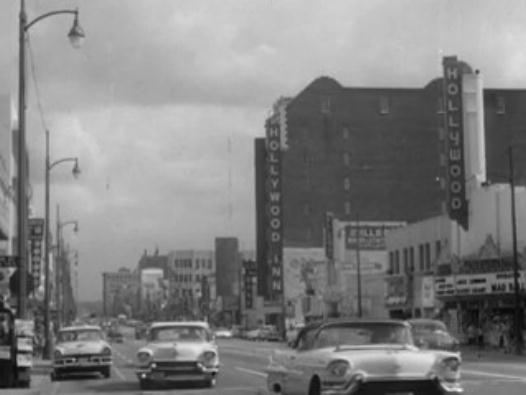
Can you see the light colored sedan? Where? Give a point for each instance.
(178, 352)
(81, 349)
(361, 357)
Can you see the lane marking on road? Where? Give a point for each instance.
(119, 373)
(250, 371)
(497, 375)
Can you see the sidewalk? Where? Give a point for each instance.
(472, 353)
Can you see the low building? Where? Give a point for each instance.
(120, 292)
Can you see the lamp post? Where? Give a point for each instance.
(516, 272)
(76, 36)
(47, 281)
(59, 262)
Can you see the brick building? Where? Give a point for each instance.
(376, 152)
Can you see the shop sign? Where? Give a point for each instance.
(396, 291)
(428, 292)
(479, 284)
(368, 235)
(36, 239)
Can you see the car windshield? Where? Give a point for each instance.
(428, 327)
(79, 335)
(362, 334)
(179, 333)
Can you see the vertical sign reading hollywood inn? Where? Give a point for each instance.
(456, 184)
(274, 209)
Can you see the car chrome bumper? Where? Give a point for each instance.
(74, 363)
(427, 387)
(200, 372)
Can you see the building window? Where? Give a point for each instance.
(397, 261)
(325, 105)
(421, 258)
(428, 256)
(197, 264)
(345, 133)
(210, 264)
(384, 105)
(501, 105)
(306, 209)
(197, 278)
(347, 208)
(391, 263)
(438, 248)
(411, 259)
(441, 108)
(406, 260)
(346, 184)
(346, 159)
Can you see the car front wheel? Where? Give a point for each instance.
(106, 372)
(210, 382)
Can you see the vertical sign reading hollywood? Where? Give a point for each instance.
(36, 238)
(274, 210)
(456, 188)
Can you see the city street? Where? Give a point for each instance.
(242, 372)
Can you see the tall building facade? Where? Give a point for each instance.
(366, 154)
(228, 275)
(120, 292)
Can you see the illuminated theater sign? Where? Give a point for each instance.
(274, 210)
(456, 188)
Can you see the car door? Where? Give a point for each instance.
(296, 360)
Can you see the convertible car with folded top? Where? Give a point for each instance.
(362, 357)
(178, 352)
(81, 349)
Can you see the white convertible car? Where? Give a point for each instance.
(349, 357)
(176, 352)
(81, 349)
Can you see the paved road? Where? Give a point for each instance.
(242, 373)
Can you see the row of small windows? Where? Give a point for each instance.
(384, 108)
(187, 263)
(403, 261)
(186, 278)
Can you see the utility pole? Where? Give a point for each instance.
(516, 272)
(358, 266)
(58, 263)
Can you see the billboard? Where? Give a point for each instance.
(456, 180)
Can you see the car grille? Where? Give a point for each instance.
(181, 367)
(74, 358)
(417, 387)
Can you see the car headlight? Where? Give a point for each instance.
(339, 368)
(449, 369)
(208, 358)
(57, 354)
(144, 357)
(106, 351)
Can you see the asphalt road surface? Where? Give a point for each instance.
(242, 372)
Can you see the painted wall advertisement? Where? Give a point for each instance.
(396, 291)
(305, 280)
(456, 183)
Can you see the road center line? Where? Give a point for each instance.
(499, 375)
(119, 373)
(250, 371)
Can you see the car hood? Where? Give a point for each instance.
(181, 351)
(81, 347)
(389, 362)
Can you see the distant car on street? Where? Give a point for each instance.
(223, 333)
(115, 335)
(433, 335)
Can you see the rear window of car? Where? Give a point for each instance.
(180, 333)
(80, 335)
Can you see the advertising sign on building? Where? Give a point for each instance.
(329, 235)
(456, 182)
(368, 235)
(478, 284)
(249, 276)
(428, 291)
(396, 291)
(274, 210)
(36, 239)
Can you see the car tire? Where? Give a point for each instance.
(210, 382)
(146, 384)
(315, 387)
(106, 372)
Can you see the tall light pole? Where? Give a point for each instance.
(59, 262)
(47, 280)
(516, 271)
(76, 36)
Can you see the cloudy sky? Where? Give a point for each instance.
(163, 101)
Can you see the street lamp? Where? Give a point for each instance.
(76, 36)
(76, 171)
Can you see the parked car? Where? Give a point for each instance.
(253, 334)
(178, 351)
(140, 330)
(115, 335)
(361, 356)
(432, 334)
(80, 349)
(269, 333)
(223, 333)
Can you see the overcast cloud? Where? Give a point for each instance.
(160, 88)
